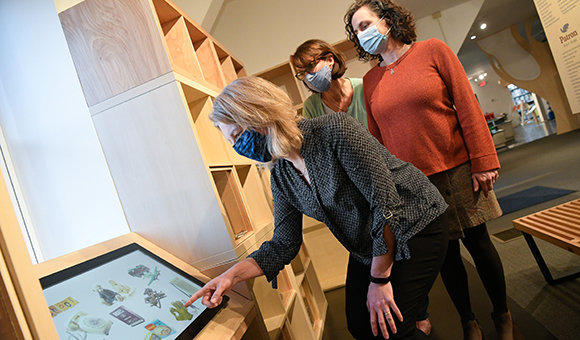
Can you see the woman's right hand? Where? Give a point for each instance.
(212, 293)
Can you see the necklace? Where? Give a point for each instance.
(398, 54)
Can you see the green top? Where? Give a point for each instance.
(313, 106)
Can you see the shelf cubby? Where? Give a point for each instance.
(270, 305)
(314, 300)
(254, 192)
(285, 290)
(283, 76)
(209, 63)
(298, 318)
(264, 175)
(286, 333)
(232, 202)
(213, 143)
(180, 49)
(227, 64)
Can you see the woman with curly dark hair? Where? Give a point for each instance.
(419, 92)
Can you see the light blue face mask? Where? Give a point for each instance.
(372, 41)
(319, 81)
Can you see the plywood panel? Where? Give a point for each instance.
(20, 287)
(163, 184)
(115, 46)
(7, 315)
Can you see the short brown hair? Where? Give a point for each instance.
(254, 103)
(399, 18)
(315, 48)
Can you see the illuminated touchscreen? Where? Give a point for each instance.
(129, 293)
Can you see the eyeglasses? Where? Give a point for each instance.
(308, 69)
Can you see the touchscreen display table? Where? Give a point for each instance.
(128, 293)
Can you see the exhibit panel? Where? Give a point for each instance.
(181, 184)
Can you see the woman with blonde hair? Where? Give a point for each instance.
(384, 211)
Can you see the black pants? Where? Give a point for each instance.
(411, 279)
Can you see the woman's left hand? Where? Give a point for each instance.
(484, 181)
(382, 307)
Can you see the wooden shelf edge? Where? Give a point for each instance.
(333, 283)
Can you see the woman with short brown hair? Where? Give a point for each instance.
(320, 66)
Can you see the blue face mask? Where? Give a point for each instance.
(319, 81)
(372, 41)
(253, 145)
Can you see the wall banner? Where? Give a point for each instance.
(561, 22)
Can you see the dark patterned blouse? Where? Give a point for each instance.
(357, 187)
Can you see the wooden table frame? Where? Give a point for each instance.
(559, 225)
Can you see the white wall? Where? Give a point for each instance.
(453, 25)
(493, 97)
(49, 134)
(263, 33)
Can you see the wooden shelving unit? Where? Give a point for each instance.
(150, 74)
(328, 256)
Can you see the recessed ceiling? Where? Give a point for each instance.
(497, 14)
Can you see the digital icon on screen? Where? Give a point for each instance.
(130, 318)
(153, 297)
(82, 323)
(158, 330)
(107, 296)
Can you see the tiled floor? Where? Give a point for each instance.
(531, 132)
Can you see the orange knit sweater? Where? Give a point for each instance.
(423, 109)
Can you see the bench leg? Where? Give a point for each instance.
(542, 264)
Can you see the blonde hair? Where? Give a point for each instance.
(255, 103)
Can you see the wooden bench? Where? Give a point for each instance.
(559, 225)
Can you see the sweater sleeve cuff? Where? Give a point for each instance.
(485, 163)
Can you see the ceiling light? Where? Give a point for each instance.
(473, 37)
(483, 26)
(481, 77)
(475, 80)
(485, 74)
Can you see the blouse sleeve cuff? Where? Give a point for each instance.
(265, 263)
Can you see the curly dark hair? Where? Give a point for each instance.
(315, 48)
(399, 18)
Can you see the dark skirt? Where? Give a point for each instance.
(466, 208)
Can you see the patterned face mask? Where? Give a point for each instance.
(253, 145)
